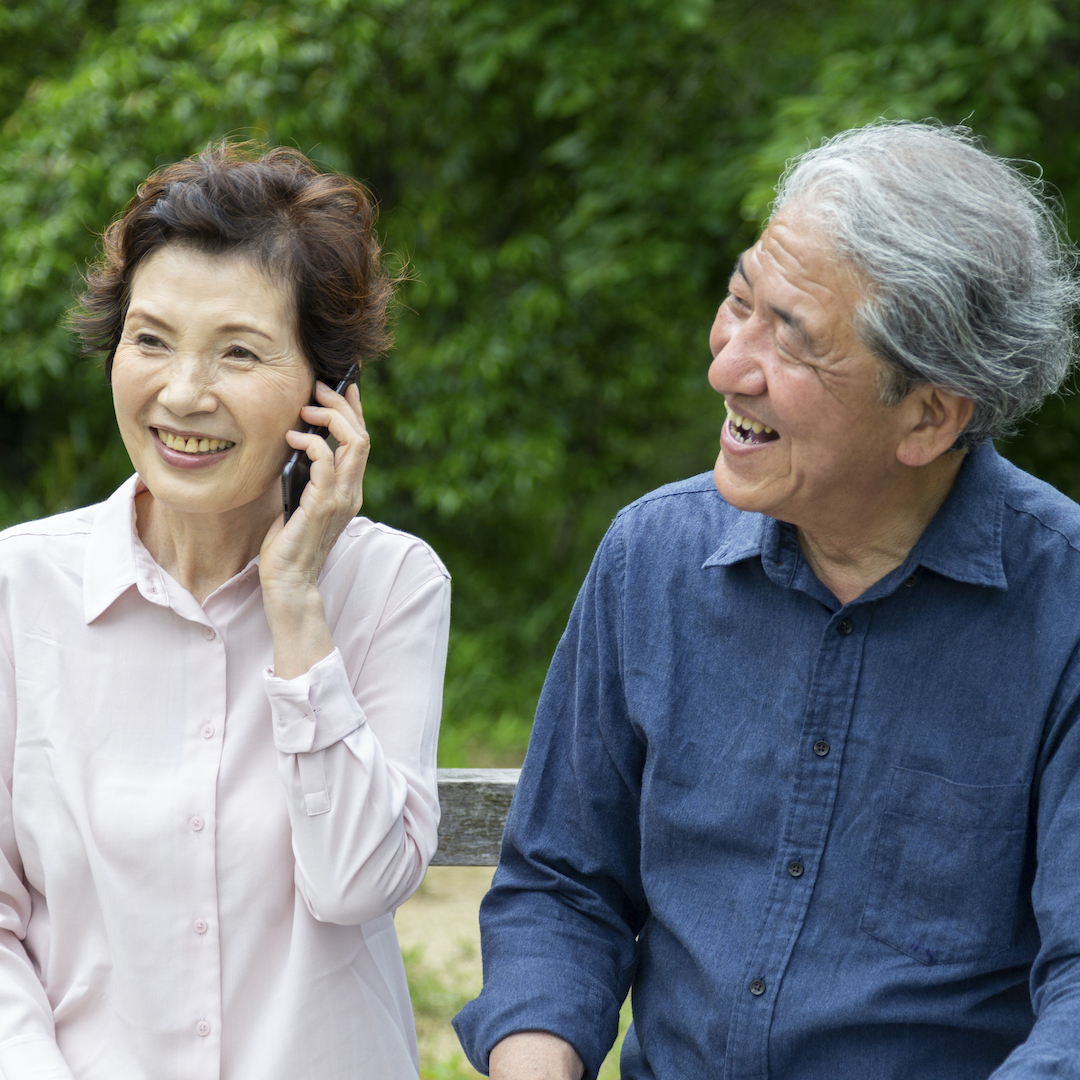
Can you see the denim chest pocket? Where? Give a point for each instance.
(947, 866)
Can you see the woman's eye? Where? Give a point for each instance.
(148, 341)
(238, 352)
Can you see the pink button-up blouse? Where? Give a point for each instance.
(200, 862)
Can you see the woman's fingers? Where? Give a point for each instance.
(342, 415)
(293, 553)
(330, 404)
(336, 475)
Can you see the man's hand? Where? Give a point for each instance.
(535, 1055)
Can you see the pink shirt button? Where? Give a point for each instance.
(200, 926)
(196, 823)
(202, 1029)
(209, 633)
(208, 731)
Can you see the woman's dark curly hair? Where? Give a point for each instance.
(311, 230)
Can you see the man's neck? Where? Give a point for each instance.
(849, 561)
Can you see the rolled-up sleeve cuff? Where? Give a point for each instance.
(540, 996)
(314, 710)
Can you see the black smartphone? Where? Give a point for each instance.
(297, 471)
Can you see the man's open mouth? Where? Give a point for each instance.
(192, 445)
(749, 431)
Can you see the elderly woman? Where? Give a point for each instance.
(219, 729)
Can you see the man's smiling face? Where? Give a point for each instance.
(815, 443)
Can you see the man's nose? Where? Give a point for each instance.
(737, 366)
(189, 386)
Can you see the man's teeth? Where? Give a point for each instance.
(748, 425)
(193, 446)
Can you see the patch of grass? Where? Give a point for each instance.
(432, 995)
(454, 1067)
(610, 1069)
(436, 997)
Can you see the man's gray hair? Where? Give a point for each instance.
(971, 276)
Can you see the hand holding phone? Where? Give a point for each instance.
(297, 471)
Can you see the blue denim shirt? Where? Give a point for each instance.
(821, 841)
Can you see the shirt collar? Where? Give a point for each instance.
(117, 560)
(752, 535)
(963, 541)
(114, 560)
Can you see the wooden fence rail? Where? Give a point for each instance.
(474, 804)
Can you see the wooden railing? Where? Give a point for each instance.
(474, 804)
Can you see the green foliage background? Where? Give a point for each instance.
(569, 183)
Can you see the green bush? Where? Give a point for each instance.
(569, 184)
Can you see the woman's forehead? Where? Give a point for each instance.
(236, 272)
(183, 281)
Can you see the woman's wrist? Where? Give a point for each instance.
(299, 629)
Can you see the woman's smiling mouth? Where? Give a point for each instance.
(192, 445)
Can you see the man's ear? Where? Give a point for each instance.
(937, 418)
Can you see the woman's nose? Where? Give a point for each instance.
(188, 387)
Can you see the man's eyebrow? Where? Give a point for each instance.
(788, 317)
(796, 324)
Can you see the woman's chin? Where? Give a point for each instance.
(260, 502)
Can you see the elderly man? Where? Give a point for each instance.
(806, 769)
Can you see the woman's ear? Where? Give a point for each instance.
(938, 417)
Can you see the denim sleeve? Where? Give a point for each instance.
(1053, 1047)
(559, 925)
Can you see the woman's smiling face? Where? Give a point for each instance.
(207, 378)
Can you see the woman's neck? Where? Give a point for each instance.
(202, 551)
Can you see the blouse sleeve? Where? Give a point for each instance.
(27, 1035)
(357, 736)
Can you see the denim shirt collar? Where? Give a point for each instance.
(962, 541)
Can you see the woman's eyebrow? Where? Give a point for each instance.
(145, 316)
(228, 328)
(243, 328)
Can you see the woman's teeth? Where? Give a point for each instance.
(193, 446)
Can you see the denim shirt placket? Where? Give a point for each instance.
(827, 719)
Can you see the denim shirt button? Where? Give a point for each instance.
(757, 987)
(843, 627)
(795, 868)
(821, 748)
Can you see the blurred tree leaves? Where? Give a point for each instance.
(569, 184)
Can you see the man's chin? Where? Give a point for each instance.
(735, 492)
